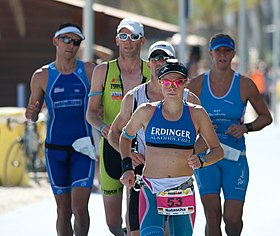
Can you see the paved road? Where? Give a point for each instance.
(261, 212)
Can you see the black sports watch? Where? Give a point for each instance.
(249, 127)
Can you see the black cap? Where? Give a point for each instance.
(172, 66)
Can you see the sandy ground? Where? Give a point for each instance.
(13, 197)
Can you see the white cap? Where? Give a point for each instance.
(69, 29)
(162, 46)
(132, 24)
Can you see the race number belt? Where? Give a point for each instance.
(176, 202)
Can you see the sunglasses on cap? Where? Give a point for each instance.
(68, 40)
(177, 83)
(158, 57)
(133, 37)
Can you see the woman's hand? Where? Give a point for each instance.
(194, 162)
(128, 179)
(236, 131)
(137, 159)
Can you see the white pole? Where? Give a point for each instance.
(276, 51)
(88, 30)
(183, 27)
(242, 37)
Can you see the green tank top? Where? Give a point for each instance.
(113, 89)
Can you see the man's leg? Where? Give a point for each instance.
(111, 187)
(113, 211)
(64, 213)
(80, 200)
(213, 214)
(233, 211)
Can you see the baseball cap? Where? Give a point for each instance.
(161, 46)
(221, 42)
(132, 24)
(172, 66)
(70, 29)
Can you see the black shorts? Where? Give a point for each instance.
(134, 203)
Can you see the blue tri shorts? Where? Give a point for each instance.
(230, 176)
(67, 171)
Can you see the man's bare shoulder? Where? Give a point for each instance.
(197, 79)
(99, 73)
(89, 66)
(193, 98)
(101, 68)
(39, 80)
(248, 88)
(195, 84)
(246, 82)
(41, 73)
(126, 105)
(133, 92)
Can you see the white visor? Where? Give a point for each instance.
(69, 29)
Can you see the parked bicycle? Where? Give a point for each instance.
(25, 154)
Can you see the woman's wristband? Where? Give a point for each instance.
(126, 164)
(101, 127)
(126, 135)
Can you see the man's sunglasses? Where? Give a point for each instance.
(158, 57)
(68, 40)
(133, 37)
(177, 83)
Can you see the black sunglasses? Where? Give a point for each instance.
(68, 40)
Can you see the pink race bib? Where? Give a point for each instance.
(176, 202)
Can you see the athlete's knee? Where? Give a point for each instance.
(80, 212)
(115, 229)
(232, 218)
(64, 214)
(114, 224)
(213, 215)
(233, 225)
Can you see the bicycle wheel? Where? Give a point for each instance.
(41, 157)
(15, 164)
(37, 164)
(37, 160)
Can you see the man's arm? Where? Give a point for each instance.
(249, 88)
(36, 99)
(89, 67)
(120, 121)
(249, 92)
(94, 108)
